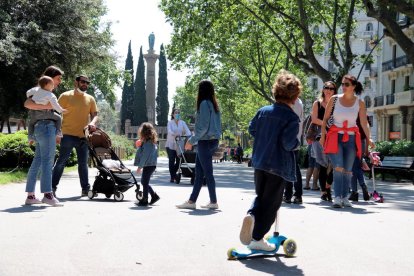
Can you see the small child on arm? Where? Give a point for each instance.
(42, 94)
(146, 160)
(275, 129)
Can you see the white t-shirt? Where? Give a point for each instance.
(174, 130)
(41, 96)
(342, 113)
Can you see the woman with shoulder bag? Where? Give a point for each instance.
(343, 140)
(318, 111)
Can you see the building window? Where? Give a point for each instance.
(395, 123)
(392, 86)
(394, 56)
(367, 83)
(407, 83)
(315, 84)
(367, 101)
(369, 27)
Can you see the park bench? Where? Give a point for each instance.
(398, 166)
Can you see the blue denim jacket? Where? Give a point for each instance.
(275, 129)
(146, 155)
(208, 123)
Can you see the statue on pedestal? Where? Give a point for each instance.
(151, 40)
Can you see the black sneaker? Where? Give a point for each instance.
(329, 195)
(287, 200)
(324, 197)
(353, 196)
(154, 199)
(84, 193)
(143, 202)
(365, 193)
(297, 200)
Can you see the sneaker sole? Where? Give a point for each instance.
(247, 230)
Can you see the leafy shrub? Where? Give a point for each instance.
(15, 150)
(122, 142)
(395, 148)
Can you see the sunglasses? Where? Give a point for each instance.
(84, 82)
(346, 84)
(329, 88)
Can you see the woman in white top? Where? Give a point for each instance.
(176, 128)
(343, 142)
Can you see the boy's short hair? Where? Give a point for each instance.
(287, 87)
(44, 80)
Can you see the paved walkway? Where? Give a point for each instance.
(103, 237)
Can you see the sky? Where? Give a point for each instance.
(134, 20)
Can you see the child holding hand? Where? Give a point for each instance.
(146, 160)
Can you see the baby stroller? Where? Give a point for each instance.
(113, 176)
(186, 166)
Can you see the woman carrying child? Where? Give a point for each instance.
(146, 160)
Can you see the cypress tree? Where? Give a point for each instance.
(162, 93)
(128, 91)
(140, 99)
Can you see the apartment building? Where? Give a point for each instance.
(393, 105)
(388, 79)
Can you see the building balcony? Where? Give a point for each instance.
(404, 98)
(394, 63)
(378, 101)
(389, 99)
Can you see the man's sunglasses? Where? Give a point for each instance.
(85, 82)
(346, 84)
(329, 88)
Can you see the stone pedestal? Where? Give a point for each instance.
(151, 58)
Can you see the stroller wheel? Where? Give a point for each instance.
(108, 195)
(91, 194)
(119, 196)
(178, 178)
(139, 195)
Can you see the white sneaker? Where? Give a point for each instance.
(51, 200)
(30, 200)
(346, 202)
(337, 202)
(186, 205)
(261, 245)
(210, 206)
(246, 230)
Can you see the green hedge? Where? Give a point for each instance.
(121, 141)
(395, 148)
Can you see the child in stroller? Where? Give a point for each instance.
(113, 176)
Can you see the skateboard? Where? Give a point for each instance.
(289, 248)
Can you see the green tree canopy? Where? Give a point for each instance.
(70, 34)
(162, 94)
(140, 98)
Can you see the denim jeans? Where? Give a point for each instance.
(344, 158)
(298, 184)
(357, 172)
(45, 135)
(145, 179)
(204, 169)
(173, 162)
(67, 144)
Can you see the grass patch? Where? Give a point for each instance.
(19, 176)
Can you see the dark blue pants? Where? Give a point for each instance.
(173, 162)
(145, 179)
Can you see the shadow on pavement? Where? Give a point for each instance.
(25, 209)
(272, 267)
